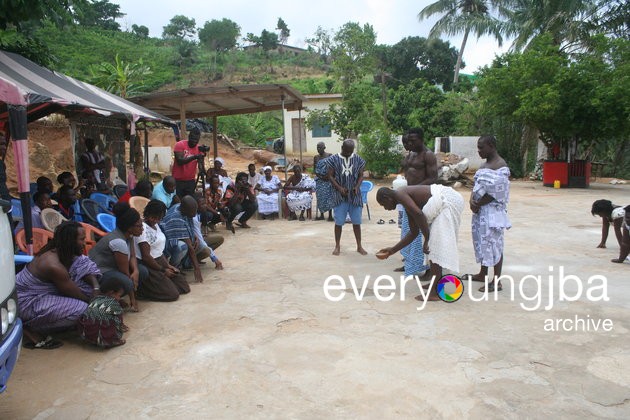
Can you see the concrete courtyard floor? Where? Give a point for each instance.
(260, 339)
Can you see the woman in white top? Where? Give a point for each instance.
(165, 282)
(269, 185)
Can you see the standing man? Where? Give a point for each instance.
(346, 174)
(323, 188)
(434, 210)
(185, 166)
(488, 202)
(419, 168)
(93, 160)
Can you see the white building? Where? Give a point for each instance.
(294, 120)
(462, 146)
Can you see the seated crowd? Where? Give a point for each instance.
(80, 279)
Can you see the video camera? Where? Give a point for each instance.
(203, 148)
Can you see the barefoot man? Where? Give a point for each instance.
(345, 175)
(419, 168)
(488, 202)
(434, 210)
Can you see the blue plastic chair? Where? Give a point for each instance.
(16, 210)
(366, 187)
(78, 213)
(103, 200)
(107, 221)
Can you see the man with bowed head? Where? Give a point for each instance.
(185, 166)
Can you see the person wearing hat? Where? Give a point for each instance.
(187, 156)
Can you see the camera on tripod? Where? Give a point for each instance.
(203, 148)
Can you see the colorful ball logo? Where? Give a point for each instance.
(450, 288)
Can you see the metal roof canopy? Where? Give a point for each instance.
(219, 101)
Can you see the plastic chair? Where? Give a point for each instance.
(366, 187)
(51, 218)
(92, 235)
(78, 212)
(40, 238)
(139, 203)
(16, 210)
(104, 200)
(106, 221)
(91, 209)
(119, 190)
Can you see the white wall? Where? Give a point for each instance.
(333, 143)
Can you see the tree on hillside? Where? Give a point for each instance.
(180, 27)
(267, 41)
(123, 79)
(140, 31)
(98, 13)
(464, 16)
(19, 21)
(283, 31)
(321, 42)
(353, 53)
(219, 35)
(415, 57)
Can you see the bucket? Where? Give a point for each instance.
(400, 181)
(556, 183)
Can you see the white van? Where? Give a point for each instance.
(11, 337)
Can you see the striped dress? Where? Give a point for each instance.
(347, 173)
(42, 306)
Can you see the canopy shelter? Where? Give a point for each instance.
(198, 102)
(29, 92)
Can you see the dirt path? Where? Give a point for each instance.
(260, 339)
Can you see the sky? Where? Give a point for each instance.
(392, 20)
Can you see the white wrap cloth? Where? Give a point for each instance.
(443, 212)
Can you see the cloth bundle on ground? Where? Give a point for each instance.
(102, 324)
(443, 212)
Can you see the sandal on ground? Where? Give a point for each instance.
(491, 287)
(392, 221)
(242, 225)
(400, 269)
(380, 222)
(47, 343)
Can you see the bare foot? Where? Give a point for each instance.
(124, 328)
(474, 277)
(336, 251)
(361, 251)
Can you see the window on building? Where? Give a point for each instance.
(321, 129)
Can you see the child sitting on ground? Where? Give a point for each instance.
(102, 322)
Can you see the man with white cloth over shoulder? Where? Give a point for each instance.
(434, 210)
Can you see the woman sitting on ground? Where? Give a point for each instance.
(300, 197)
(55, 288)
(269, 185)
(115, 254)
(165, 282)
(611, 214)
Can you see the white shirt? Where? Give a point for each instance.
(154, 237)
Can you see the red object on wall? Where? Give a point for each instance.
(553, 170)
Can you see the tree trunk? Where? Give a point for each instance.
(459, 57)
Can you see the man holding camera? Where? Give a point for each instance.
(188, 154)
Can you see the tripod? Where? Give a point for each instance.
(201, 175)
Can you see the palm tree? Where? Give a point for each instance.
(570, 22)
(464, 16)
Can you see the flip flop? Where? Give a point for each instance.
(391, 221)
(399, 270)
(380, 222)
(47, 343)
